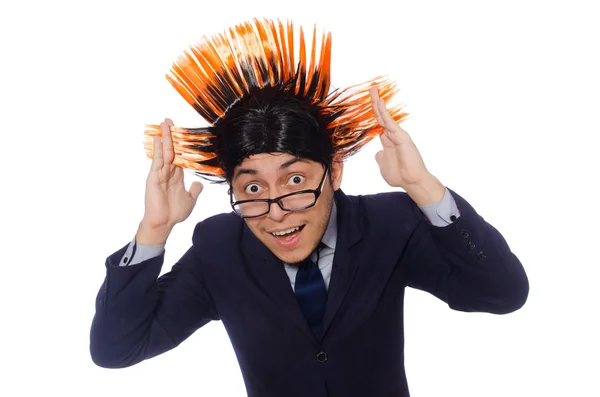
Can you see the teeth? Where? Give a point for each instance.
(284, 232)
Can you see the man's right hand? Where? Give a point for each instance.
(166, 202)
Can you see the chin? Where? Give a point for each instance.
(292, 258)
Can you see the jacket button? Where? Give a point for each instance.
(481, 255)
(321, 357)
(471, 245)
(452, 218)
(465, 233)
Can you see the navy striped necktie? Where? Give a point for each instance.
(311, 293)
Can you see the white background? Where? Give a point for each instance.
(503, 98)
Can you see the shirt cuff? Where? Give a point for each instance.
(138, 253)
(443, 212)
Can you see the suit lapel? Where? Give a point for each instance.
(345, 264)
(270, 274)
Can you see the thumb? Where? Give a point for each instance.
(379, 157)
(195, 190)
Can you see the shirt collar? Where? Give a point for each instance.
(330, 236)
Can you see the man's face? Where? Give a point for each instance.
(270, 175)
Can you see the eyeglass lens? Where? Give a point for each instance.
(291, 203)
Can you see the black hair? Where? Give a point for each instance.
(270, 120)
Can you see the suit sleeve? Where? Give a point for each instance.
(467, 264)
(139, 315)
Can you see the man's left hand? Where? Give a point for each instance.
(400, 162)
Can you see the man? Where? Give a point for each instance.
(308, 282)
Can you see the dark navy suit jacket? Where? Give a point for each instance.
(384, 244)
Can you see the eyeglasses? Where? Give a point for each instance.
(296, 201)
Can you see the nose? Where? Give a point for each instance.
(276, 213)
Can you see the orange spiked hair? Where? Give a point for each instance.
(225, 69)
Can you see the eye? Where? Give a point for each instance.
(296, 180)
(252, 188)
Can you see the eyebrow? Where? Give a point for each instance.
(250, 171)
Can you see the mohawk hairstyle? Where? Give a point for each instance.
(254, 62)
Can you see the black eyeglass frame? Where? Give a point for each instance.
(316, 192)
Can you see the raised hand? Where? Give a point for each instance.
(400, 162)
(167, 202)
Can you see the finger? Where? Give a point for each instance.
(168, 154)
(382, 110)
(373, 91)
(178, 174)
(386, 141)
(389, 127)
(169, 122)
(157, 157)
(386, 117)
(195, 190)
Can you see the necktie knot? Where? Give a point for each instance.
(308, 260)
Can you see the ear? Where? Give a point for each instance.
(337, 170)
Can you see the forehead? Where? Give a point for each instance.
(265, 164)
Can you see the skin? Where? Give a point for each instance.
(167, 202)
(270, 175)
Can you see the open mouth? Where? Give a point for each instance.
(289, 233)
